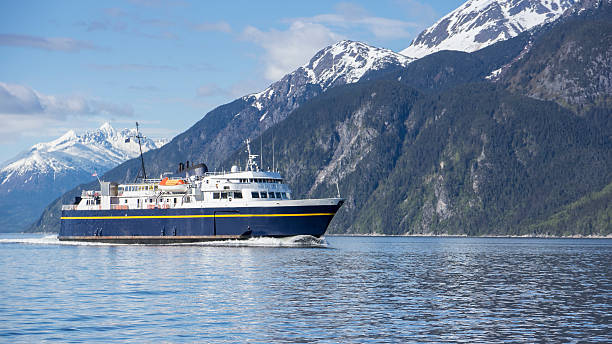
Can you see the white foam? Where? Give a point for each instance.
(50, 240)
(293, 241)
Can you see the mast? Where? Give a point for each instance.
(252, 160)
(144, 173)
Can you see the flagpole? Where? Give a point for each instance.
(95, 174)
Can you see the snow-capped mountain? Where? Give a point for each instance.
(97, 150)
(345, 62)
(480, 23)
(32, 179)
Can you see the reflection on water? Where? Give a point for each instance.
(359, 289)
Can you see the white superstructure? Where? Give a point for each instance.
(197, 189)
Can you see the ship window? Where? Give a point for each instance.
(224, 195)
(278, 195)
(254, 194)
(226, 188)
(150, 200)
(264, 194)
(125, 201)
(237, 194)
(272, 195)
(284, 195)
(215, 195)
(250, 180)
(174, 200)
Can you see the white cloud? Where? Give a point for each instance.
(26, 113)
(220, 26)
(46, 43)
(287, 50)
(23, 100)
(351, 16)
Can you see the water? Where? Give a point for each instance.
(341, 289)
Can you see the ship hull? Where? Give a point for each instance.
(186, 225)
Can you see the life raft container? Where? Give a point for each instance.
(173, 185)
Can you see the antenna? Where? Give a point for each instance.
(142, 168)
(273, 169)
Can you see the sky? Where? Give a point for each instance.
(77, 64)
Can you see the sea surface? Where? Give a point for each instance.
(340, 289)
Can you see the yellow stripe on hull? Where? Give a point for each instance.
(186, 216)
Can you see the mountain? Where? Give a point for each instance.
(35, 177)
(440, 145)
(479, 23)
(410, 162)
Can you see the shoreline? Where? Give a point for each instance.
(609, 236)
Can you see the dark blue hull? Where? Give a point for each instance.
(150, 226)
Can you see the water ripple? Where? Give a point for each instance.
(359, 290)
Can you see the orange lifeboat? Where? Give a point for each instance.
(173, 185)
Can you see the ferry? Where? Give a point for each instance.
(195, 205)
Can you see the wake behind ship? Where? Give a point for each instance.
(195, 206)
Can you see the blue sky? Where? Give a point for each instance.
(77, 64)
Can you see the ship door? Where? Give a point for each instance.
(225, 222)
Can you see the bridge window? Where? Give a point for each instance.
(272, 195)
(216, 195)
(237, 194)
(278, 195)
(254, 194)
(284, 195)
(264, 194)
(224, 195)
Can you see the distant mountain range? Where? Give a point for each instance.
(37, 176)
(503, 140)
